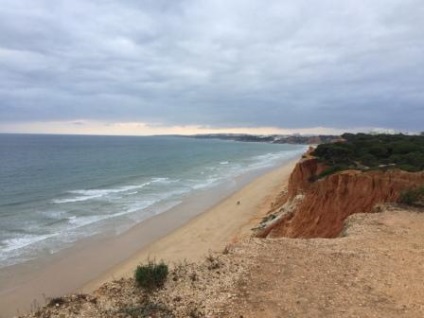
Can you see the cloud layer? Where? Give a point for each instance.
(239, 63)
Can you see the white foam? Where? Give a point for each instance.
(54, 214)
(86, 195)
(205, 183)
(137, 207)
(77, 199)
(270, 159)
(162, 180)
(23, 241)
(79, 221)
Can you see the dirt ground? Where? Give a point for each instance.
(376, 269)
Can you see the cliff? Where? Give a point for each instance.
(318, 209)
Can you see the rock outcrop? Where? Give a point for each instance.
(326, 203)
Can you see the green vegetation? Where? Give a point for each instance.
(414, 197)
(151, 276)
(364, 151)
(330, 170)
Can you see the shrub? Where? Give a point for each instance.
(415, 159)
(337, 153)
(331, 170)
(413, 196)
(151, 276)
(379, 151)
(368, 160)
(407, 167)
(403, 147)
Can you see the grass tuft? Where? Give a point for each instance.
(151, 276)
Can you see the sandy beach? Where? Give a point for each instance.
(183, 233)
(225, 223)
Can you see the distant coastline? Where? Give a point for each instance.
(273, 139)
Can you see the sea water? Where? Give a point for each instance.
(56, 190)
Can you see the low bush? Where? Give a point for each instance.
(413, 196)
(331, 170)
(151, 276)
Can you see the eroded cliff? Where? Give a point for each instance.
(319, 208)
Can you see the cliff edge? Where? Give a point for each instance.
(318, 208)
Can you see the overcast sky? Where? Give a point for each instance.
(139, 66)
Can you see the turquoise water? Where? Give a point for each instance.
(56, 190)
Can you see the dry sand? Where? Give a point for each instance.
(226, 223)
(189, 239)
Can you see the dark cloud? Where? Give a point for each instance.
(220, 63)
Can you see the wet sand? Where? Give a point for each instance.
(186, 232)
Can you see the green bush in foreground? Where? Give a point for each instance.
(413, 196)
(151, 276)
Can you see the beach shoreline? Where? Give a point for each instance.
(211, 230)
(187, 232)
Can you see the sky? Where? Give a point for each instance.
(194, 66)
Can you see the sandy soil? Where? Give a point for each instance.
(226, 223)
(375, 270)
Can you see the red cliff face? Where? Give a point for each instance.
(300, 178)
(328, 202)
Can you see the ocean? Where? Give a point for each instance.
(56, 190)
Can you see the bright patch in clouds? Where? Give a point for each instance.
(143, 129)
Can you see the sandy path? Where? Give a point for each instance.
(221, 225)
